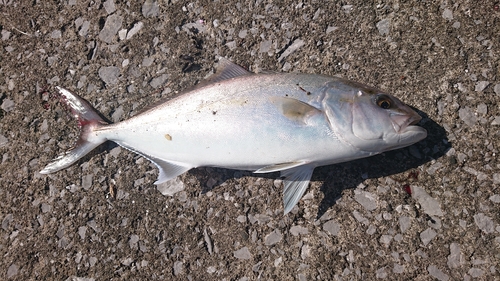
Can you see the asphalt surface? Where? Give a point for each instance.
(426, 212)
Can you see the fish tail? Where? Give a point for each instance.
(89, 122)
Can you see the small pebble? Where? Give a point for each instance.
(455, 259)
(437, 273)
(429, 205)
(111, 26)
(331, 227)
(384, 26)
(109, 74)
(297, 230)
(242, 254)
(427, 235)
(273, 238)
(366, 199)
(484, 223)
(447, 14)
(150, 8)
(481, 85)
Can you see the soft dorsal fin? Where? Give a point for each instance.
(227, 69)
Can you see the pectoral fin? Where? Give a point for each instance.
(280, 167)
(294, 109)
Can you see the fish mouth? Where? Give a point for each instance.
(405, 122)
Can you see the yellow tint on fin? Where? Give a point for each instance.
(294, 109)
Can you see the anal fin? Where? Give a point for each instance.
(168, 170)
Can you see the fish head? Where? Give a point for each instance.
(372, 120)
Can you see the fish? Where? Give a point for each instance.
(268, 122)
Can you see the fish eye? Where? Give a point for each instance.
(384, 102)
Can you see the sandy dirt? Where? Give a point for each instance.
(426, 212)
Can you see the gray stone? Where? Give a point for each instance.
(158, 81)
(404, 223)
(3, 141)
(496, 89)
(467, 116)
(386, 240)
(475, 272)
(484, 223)
(8, 105)
(437, 273)
(495, 198)
(109, 74)
(12, 270)
(242, 254)
(429, 205)
(331, 29)
(56, 34)
(297, 230)
(150, 8)
(178, 267)
(6, 221)
(265, 46)
(81, 232)
(398, 268)
(331, 227)
(292, 48)
(84, 29)
(455, 259)
(5, 35)
(384, 27)
(447, 14)
(381, 273)
(481, 85)
(171, 187)
(366, 199)
(117, 114)
(427, 235)
(273, 238)
(109, 6)
(111, 26)
(87, 181)
(135, 29)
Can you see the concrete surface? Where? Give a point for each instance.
(427, 212)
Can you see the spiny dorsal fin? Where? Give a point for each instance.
(227, 69)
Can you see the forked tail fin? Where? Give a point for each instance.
(89, 120)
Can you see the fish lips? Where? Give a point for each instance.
(406, 127)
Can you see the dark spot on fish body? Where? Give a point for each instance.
(214, 112)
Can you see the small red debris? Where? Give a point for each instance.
(407, 188)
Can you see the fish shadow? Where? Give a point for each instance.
(339, 177)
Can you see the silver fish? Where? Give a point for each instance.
(286, 122)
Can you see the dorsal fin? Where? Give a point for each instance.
(227, 69)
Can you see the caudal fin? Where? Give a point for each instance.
(88, 120)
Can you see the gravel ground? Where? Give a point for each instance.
(430, 211)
